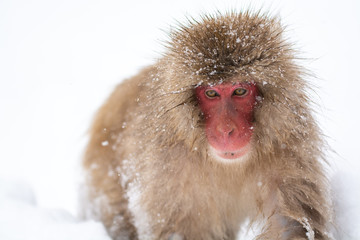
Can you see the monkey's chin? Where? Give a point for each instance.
(230, 157)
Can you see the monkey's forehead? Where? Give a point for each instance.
(221, 46)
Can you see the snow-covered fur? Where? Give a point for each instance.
(149, 171)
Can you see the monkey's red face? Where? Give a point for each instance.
(228, 110)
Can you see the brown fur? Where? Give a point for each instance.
(148, 151)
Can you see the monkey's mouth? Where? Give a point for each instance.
(230, 156)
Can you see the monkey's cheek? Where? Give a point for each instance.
(229, 157)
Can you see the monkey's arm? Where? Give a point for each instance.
(298, 212)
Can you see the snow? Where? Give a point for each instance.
(309, 231)
(21, 218)
(60, 60)
(346, 195)
(141, 219)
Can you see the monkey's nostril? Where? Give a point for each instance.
(231, 132)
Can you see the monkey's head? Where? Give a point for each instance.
(230, 82)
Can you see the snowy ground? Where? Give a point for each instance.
(22, 218)
(59, 60)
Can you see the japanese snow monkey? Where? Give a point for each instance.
(216, 133)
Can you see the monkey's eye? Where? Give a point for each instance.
(211, 93)
(240, 92)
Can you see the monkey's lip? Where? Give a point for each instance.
(230, 155)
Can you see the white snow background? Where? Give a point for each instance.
(59, 60)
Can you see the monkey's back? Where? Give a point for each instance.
(104, 195)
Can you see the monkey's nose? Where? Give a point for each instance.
(225, 130)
